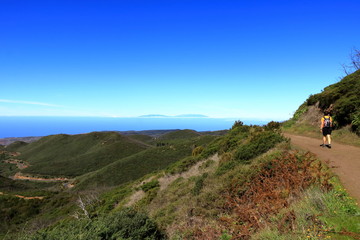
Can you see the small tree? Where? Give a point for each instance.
(354, 64)
(237, 123)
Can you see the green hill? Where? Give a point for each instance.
(142, 163)
(248, 183)
(178, 135)
(143, 138)
(342, 99)
(7, 184)
(253, 186)
(16, 146)
(74, 155)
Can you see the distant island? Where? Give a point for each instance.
(177, 116)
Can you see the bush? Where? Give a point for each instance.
(356, 123)
(197, 151)
(272, 126)
(260, 143)
(237, 123)
(150, 185)
(199, 184)
(126, 224)
(342, 98)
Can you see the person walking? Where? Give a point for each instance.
(326, 129)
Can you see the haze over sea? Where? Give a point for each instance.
(43, 126)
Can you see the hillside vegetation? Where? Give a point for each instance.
(259, 188)
(142, 163)
(342, 99)
(101, 160)
(75, 155)
(244, 183)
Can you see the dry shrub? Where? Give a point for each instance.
(280, 181)
(197, 227)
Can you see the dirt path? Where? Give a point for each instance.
(20, 176)
(23, 197)
(344, 159)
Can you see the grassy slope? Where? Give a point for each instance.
(142, 163)
(6, 184)
(181, 134)
(74, 155)
(142, 138)
(200, 207)
(16, 146)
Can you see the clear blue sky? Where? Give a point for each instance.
(244, 59)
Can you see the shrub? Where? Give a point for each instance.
(126, 224)
(342, 98)
(237, 123)
(197, 151)
(272, 126)
(199, 184)
(356, 123)
(150, 185)
(260, 143)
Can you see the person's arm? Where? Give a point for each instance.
(331, 122)
(322, 124)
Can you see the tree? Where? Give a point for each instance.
(354, 64)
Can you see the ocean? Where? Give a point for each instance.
(43, 126)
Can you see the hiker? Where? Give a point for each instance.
(326, 128)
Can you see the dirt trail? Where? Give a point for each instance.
(19, 163)
(344, 159)
(23, 197)
(20, 176)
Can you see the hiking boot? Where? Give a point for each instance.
(328, 145)
(322, 145)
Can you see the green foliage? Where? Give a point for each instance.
(150, 185)
(126, 224)
(356, 122)
(112, 198)
(317, 214)
(197, 151)
(225, 236)
(199, 184)
(258, 144)
(15, 211)
(300, 111)
(143, 138)
(77, 154)
(182, 165)
(179, 135)
(237, 123)
(3, 156)
(16, 146)
(235, 137)
(140, 164)
(226, 167)
(12, 186)
(344, 97)
(272, 126)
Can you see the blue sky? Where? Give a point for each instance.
(125, 58)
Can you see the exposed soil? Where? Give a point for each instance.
(166, 180)
(20, 176)
(19, 163)
(23, 197)
(312, 116)
(343, 159)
